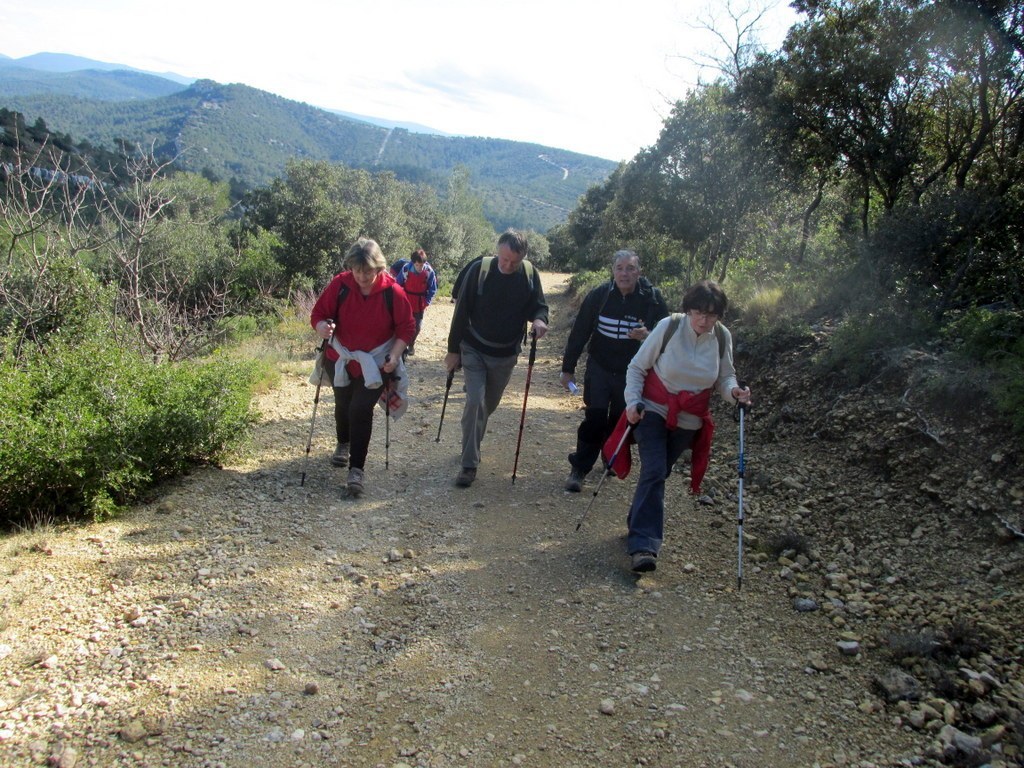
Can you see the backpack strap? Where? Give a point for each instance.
(676, 318)
(673, 324)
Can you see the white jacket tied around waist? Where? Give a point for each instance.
(371, 363)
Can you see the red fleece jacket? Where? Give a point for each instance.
(363, 322)
(695, 403)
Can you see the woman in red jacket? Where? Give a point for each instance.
(368, 322)
(418, 279)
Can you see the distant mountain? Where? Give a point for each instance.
(104, 85)
(65, 62)
(239, 132)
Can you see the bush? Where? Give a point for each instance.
(861, 345)
(85, 428)
(583, 282)
(995, 338)
(983, 334)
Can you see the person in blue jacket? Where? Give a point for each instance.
(420, 283)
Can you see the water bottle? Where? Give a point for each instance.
(573, 389)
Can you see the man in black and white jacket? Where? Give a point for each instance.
(613, 321)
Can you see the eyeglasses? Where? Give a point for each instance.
(696, 314)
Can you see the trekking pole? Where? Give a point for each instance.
(741, 408)
(608, 467)
(321, 350)
(526, 394)
(447, 389)
(387, 377)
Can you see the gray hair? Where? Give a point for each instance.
(625, 254)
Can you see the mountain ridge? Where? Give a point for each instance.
(237, 132)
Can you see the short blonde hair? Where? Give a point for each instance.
(365, 254)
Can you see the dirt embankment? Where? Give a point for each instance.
(244, 619)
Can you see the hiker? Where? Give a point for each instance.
(396, 268)
(614, 318)
(367, 320)
(420, 283)
(499, 296)
(673, 381)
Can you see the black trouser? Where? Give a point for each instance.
(605, 400)
(418, 317)
(353, 415)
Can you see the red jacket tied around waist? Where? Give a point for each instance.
(696, 403)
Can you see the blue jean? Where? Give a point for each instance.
(659, 449)
(486, 378)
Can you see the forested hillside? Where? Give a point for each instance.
(242, 134)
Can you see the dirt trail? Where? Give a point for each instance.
(241, 619)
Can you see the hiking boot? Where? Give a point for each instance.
(466, 477)
(643, 562)
(340, 456)
(355, 481)
(574, 483)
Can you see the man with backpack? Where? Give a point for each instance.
(498, 296)
(420, 283)
(613, 321)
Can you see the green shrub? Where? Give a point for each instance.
(583, 282)
(85, 428)
(996, 340)
(860, 345)
(1010, 396)
(982, 334)
(767, 306)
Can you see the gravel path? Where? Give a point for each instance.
(240, 619)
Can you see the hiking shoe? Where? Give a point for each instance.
(574, 483)
(340, 456)
(466, 477)
(355, 481)
(643, 562)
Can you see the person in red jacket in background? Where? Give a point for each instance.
(366, 318)
(420, 283)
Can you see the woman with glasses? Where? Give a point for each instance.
(672, 376)
(367, 320)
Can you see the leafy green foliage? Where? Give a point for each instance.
(860, 344)
(88, 426)
(318, 210)
(995, 337)
(987, 334)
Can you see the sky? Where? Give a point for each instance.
(591, 76)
